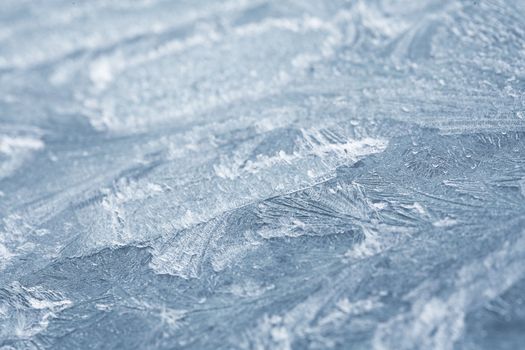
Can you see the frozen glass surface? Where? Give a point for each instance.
(263, 174)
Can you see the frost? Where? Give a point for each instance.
(262, 174)
(26, 312)
(15, 150)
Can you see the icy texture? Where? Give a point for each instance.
(283, 174)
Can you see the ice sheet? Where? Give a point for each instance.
(262, 174)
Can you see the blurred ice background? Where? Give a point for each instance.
(256, 174)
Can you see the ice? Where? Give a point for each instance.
(262, 174)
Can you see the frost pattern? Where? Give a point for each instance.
(262, 174)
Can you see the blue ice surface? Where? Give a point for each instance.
(264, 174)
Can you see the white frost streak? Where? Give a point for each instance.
(10, 145)
(15, 151)
(25, 312)
(314, 144)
